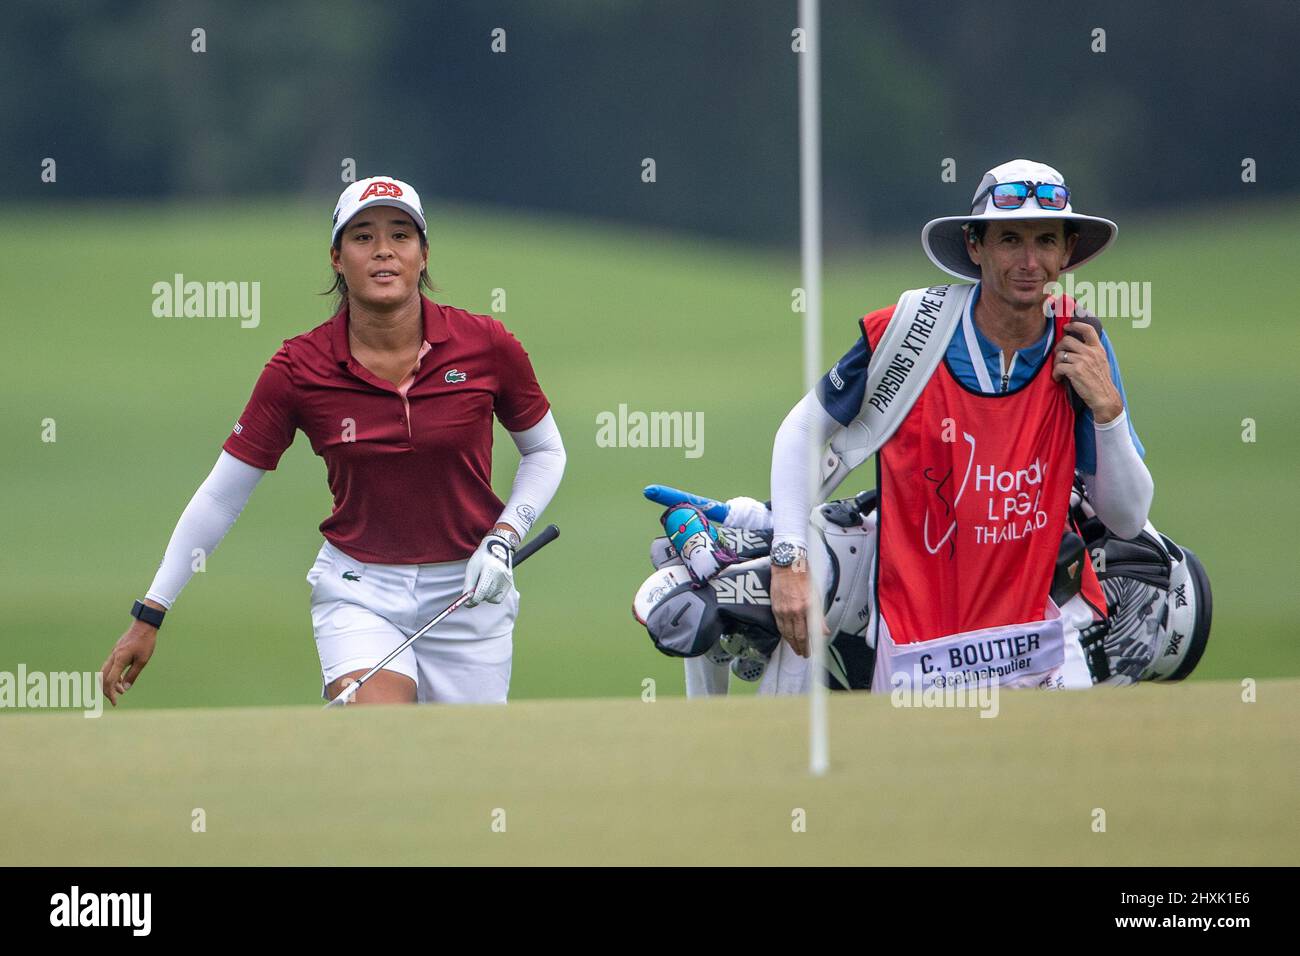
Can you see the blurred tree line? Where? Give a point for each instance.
(585, 90)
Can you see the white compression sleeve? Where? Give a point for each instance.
(1122, 489)
(541, 465)
(203, 524)
(791, 499)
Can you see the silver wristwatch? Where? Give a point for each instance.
(786, 553)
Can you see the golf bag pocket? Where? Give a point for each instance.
(844, 567)
(1010, 655)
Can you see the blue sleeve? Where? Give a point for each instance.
(1085, 441)
(842, 389)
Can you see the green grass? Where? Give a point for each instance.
(610, 316)
(1185, 775)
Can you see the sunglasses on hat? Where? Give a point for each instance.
(1015, 195)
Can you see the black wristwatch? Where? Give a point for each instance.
(787, 554)
(150, 615)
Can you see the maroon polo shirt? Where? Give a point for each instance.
(410, 467)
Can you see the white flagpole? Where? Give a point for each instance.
(810, 222)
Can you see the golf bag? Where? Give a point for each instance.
(1158, 597)
(728, 617)
(1158, 601)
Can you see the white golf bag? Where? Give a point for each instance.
(1158, 601)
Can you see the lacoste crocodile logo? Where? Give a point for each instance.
(351, 576)
(454, 375)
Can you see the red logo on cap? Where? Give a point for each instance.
(390, 190)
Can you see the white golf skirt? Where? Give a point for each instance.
(360, 612)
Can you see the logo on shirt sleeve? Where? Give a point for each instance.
(238, 428)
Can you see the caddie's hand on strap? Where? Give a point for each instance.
(1081, 358)
(490, 572)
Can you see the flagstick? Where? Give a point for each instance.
(810, 220)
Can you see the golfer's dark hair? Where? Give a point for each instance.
(976, 228)
(339, 288)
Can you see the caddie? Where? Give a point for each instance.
(982, 399)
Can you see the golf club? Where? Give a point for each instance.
(547, 535)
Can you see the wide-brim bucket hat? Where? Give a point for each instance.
(944, 239)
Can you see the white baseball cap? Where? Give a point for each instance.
(376, 191)
(945, 242)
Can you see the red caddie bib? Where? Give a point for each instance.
(974, 498)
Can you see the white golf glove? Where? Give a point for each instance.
(490, 572)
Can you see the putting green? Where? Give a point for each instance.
(1185, 775)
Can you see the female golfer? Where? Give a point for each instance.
(397, 394)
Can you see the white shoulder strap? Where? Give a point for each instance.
(900, 366)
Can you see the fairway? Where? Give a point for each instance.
(610, 316)
(1186, 775)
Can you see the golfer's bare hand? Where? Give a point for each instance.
(129, 656)
(1084, 364)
